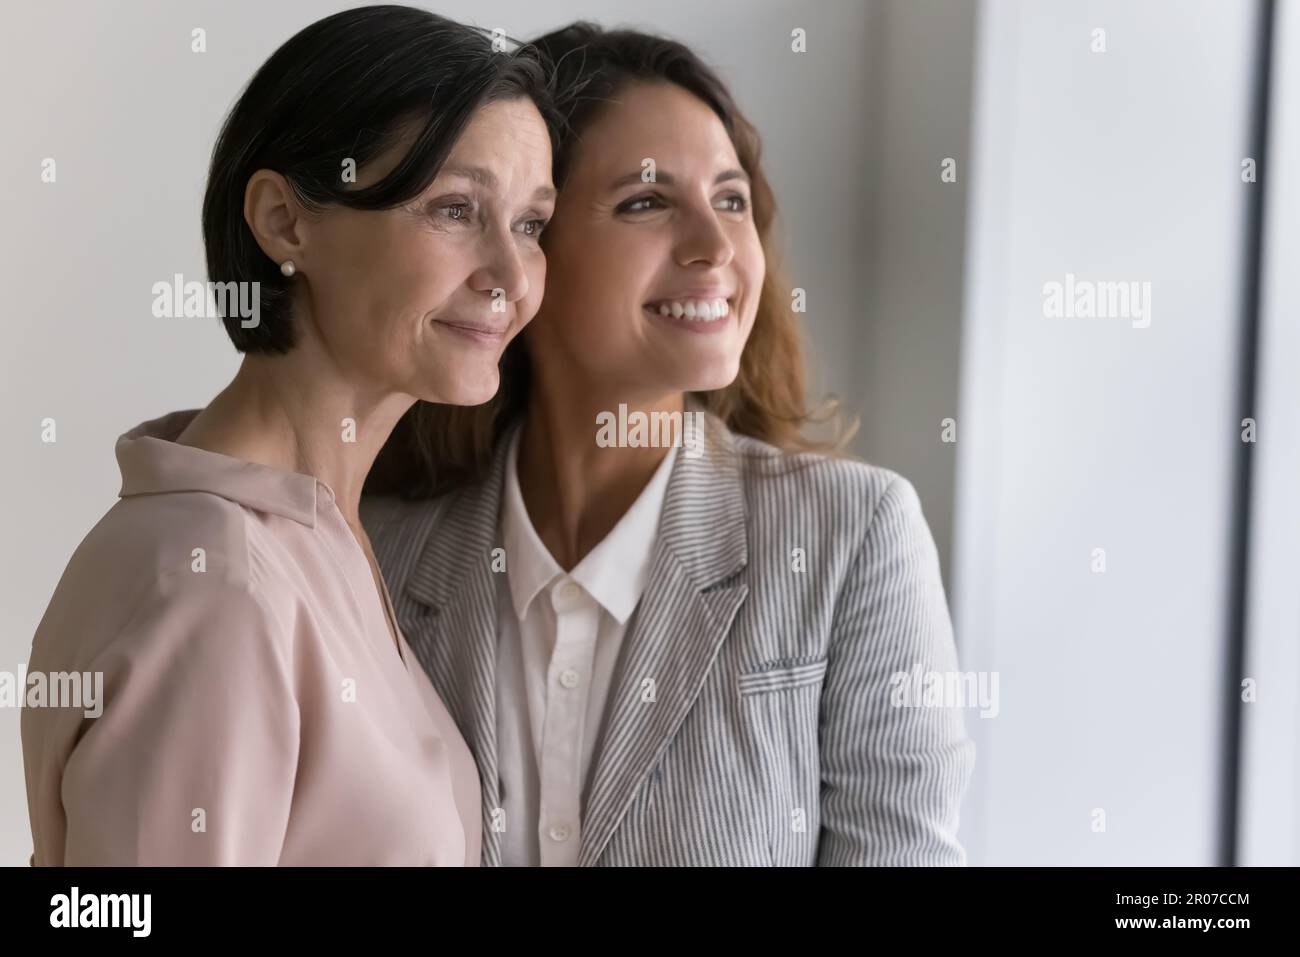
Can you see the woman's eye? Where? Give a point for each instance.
(534, 227)
(735, 203)
(640, 204)
(457, 212)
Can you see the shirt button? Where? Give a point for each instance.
(566, 596)
(559, 832)
(569, 678)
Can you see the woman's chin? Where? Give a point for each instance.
(465, 386)
(474, 390)
(711, 376)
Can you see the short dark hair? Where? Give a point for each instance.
(349, 86)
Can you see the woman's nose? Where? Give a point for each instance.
(705, 241)
(503, 269)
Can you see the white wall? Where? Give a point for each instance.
(1087, 433)
(907, 342)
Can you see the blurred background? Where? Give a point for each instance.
(1114, 550)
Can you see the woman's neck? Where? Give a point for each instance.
(297, 413)
(576, 490)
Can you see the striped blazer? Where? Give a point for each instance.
(784, 592)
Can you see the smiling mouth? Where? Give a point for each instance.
(484, 334)
(701, 312)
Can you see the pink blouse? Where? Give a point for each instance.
(255, 708)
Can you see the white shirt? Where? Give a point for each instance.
(559, 640)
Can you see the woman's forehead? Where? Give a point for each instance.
(660, 122)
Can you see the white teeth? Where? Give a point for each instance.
(696, 310)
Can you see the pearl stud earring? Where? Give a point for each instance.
(287, 268)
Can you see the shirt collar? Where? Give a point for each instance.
(152, 463)
(614, 572)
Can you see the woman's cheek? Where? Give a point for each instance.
(536, 286)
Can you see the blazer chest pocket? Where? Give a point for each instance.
(781, 675)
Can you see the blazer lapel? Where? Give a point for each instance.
(454, 633)
(674, 637)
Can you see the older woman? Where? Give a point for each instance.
(262, 706)
(686, 651)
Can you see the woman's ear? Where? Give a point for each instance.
(273, 214)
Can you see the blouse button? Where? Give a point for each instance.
(559, 832)
(569, 678)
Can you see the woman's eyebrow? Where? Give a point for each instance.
(484, 177)
(488, 180)
(667, 179)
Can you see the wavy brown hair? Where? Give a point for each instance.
(436, 448)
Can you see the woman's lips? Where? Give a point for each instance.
(706, 315)
(487, 335)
